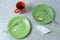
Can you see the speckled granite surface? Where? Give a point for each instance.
(6, 13)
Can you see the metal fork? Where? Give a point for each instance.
(50, 17)
(14, 25)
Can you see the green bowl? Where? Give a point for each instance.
(19, 27)
(40, 12)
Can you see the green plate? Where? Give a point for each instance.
(43, 14)
(19, 27)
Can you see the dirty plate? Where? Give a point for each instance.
(43, 14)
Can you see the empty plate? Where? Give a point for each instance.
(19, 27)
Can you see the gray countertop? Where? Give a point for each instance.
(6, 13)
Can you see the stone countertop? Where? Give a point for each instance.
(6, 13)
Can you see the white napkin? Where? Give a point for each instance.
(43, 30)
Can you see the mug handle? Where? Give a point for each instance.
(16, 11)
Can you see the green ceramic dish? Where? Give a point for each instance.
(40, 12)
(19, 27)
